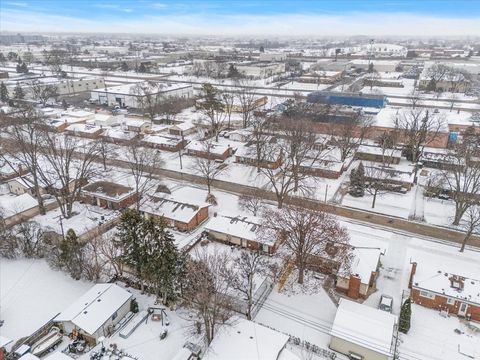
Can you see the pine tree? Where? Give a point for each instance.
(405, 316)
(124, 66)
(357, 181)
(3, 92)
(24, 68)
(160, 266)
(71, 254)
(130, 240)
(142, 68)
(18, 92)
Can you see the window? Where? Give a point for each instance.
(427, 294)
(114, 316)
(450, 301)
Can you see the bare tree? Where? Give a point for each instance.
(54, 59)
(247, 97)
(8, 242)
(299, 150)
(206, 166)
(308, 234)
(148, 97)
(105, 150)
(69, 165)
(377, 181)
(94, 265)
(168, 107)
(471, 224)
(142, 162)
(460, 174)
(246, 269)
(30, 239)
(206, 292)
(23, 144)
(349, 133)
(213, 108)
(418, 127)
(259, 138)
(435, 74)
(228, 100)
(252, 202)
(43, 92)
(112, 254)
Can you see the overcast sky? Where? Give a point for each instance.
(267, 17)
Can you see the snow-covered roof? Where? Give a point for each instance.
(215, 148)
(134, 89)
(108, 190)
(364, 262)
(162, 140)
(244, 340)
(170, 207)
(244, 227)
(376, 150)
(365, 326)
(439, 280)
(95, 307)
(78, 114)
(84, 128)
(12, 205)
(116, 133)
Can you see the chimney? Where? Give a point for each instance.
(354, 287)
(412, 274)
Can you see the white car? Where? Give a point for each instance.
(386, 303)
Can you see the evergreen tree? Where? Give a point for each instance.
(3, 92)
(18, 92)
(233, 72)
(130, 240)
(160, 265)
(142, 68)
(405, 316)
(124, 66)
(24, 68)
(3, 59)
(71, 254)
(357, 181)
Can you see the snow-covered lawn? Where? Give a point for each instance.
(395, 204)
(307, 316)
(439, 212)
(31, 293)
(432, 337)
(86, 217)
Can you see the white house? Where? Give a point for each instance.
(96, 313)
(362, 332)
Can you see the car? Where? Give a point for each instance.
(386, 303)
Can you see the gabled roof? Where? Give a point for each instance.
(95, 307)
(365, 326)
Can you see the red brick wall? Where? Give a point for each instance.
(440, 303)
(354, 287)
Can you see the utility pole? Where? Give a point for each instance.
(60, 219)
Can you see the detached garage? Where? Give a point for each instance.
(96, 313)
(362, 332)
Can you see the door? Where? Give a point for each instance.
(462, 310)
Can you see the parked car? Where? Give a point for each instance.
(386, 303)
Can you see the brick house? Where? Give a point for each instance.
(445, 291)
(247, 155)
(109, 195)
(214, 151)
(88, 131)
(179, 214)
(167, 143)
(359, 279)
(241, 231)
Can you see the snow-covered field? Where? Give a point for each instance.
(31, 294)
